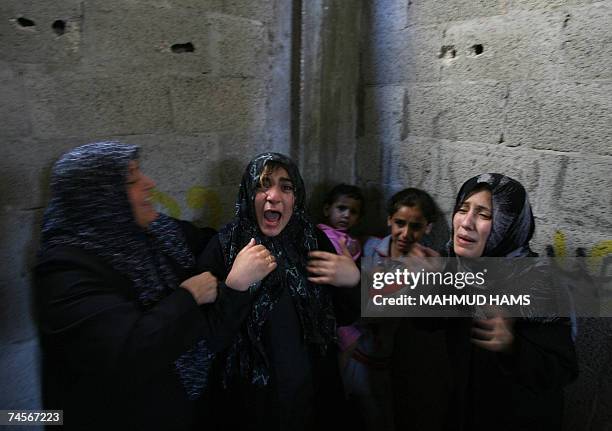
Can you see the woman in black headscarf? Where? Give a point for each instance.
(125, 320)
(281, 371)
(507, 373)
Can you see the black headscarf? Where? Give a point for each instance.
(90, 210)
(290, 248)
(513, 223)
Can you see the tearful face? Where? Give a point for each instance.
(274, 202)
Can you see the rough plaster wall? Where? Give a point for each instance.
(201, 85)
(328, 99)
(523, 87)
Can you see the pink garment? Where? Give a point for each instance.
(347, 335)
(334, 236)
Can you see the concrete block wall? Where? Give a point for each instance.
(201, 86)
(522, 87)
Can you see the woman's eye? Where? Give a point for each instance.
(264, 184)
(485, 216)
(287, 188)
(462, 210)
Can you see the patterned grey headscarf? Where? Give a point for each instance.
(513, 223)
(290, 248)
(90, 210)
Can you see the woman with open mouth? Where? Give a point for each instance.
(280, 372)
(125, 320)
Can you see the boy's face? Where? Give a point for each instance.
(344, 213)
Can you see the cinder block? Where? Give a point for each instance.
(543, 4)
(383, 111)
(586, 44)
(407, 55)
(21, 233)
(212, 161)
(17, 322)
(561, 116)
(511, 47)
(241, 47)
(20, 375)
(368, 159)
(576, 192)
(548, 226)
(41, 32)
(260, 10)
(428, 12)
(122, 37)
(388, 14)
(464, 111)
(13, 111)
(188, 166)
(441, 166)
(225, 104)
(25, 171)
(69, 105)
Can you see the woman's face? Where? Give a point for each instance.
(408, 225)
(472, 224)
(274, 202)
(139, 188)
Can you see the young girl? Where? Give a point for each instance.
(411, 213)
(342, 211)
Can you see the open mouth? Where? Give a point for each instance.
(272, 217)
(462, 239)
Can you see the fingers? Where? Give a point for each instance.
(323, 255)
(481, 334)
(487, 324)
(488, 345)
(249, 245)
(320, 280)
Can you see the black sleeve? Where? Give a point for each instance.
(544, 356)
(212, 260)
(197, 238)
(87, 312)
(346, 300)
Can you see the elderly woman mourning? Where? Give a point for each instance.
(125, 319)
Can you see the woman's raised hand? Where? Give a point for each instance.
(252, 264)
(203, 287)
(336, 269)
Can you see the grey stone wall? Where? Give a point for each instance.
(201, 85)
(454, 88)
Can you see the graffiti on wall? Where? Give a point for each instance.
(595, 255)
(198, 198)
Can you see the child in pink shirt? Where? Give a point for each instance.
(343, 209)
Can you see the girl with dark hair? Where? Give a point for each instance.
(367, 362)
(280, 373)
